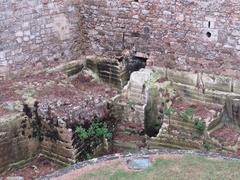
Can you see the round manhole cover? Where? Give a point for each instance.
(139, 163)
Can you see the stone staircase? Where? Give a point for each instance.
(177, 135)
(109, 71)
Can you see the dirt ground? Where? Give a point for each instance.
(40, 166)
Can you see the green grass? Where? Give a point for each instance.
(186, 168)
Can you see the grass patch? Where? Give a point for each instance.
(185, 168)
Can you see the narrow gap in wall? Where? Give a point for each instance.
(136, 63)
(209, 24)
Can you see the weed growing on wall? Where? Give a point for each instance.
(187, 114)
(168, 112)
(92, 137)
(200, 125)
(131, 104)
(207, 145)
(154, 77)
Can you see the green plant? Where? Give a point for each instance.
(196, 134)
(82, 133)
(187, 114)
(131, 104)
(92, 136)
(207, 145)
(200, 125)
(96, 130)
(168, 112)
(154, 77)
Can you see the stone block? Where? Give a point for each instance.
(182, 77)
(236, 86)
(215, 82)
(189, 92)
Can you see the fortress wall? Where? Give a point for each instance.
(202, 35)
(36, 33)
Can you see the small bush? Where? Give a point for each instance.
(207, 145)
(187, 114)
(196, 134)
(200, 126)
(131, 104)
(168, 111)
(96, 130)
(82, 133)
(90, 138)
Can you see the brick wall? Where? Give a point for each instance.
(198, 35)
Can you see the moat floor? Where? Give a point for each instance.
(40, 166)
(164, 167)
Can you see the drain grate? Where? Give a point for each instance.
(139, 163)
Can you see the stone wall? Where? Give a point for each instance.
(38, 33)
(57, 143)
(193, 35)
(16, 142)
(200, 35)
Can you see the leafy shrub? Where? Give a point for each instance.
(207, 145)
(168, 111)
(196, 134)
(200, 126)
(154, 77)
(82, 133)
(131, 104)
(96, 130)
(187, 114)
(91, 137)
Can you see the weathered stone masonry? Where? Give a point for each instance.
(201, 35)
(38, 33)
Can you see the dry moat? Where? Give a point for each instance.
(88, 108)
(119, 82)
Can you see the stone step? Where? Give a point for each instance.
(182, 128)
(125, 145)
(180, 121)
(135, 85)
(136, 90)
(175, 142)
(139, 108)
(137, 97)
(113, 74)
(175, 133)
(160, 145)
